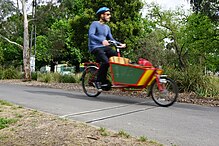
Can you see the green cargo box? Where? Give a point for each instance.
(133, 75)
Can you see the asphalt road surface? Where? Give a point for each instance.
(180, 124)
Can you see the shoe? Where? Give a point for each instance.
(98, 86)
(104, 85)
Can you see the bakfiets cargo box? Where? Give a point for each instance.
(125, 73)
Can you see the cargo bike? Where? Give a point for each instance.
(132, 77)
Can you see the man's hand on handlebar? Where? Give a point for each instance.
(122, 45)
(106, 43)
(114, 43)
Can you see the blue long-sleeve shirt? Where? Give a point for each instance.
(97, 34)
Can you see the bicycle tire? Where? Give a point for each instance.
(88, 79)
(168, 96)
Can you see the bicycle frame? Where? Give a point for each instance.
(146, 78)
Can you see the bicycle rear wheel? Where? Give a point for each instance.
(88, 80)
(169, 93)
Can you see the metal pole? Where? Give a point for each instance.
(33, 37)
(35, 40)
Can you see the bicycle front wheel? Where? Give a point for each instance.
(169, 93)
(88, 79)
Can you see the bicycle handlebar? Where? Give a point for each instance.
(114, 43)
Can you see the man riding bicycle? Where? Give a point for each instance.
(99, 34)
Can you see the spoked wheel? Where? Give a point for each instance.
(88, 79)
(169, 93)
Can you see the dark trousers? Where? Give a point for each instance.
(102, 55)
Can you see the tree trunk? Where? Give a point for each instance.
(26, 49)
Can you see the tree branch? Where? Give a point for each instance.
(20, 46)
(31, 20)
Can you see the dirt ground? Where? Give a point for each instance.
(42, 129)
(35, 128)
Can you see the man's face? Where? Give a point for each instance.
(106, 16)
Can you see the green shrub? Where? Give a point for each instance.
(11, 73)
(215, 81)
(78, 77)
(4, 122)
(122, 133)
(1, 73)
(44, 77)
(39, 77)
(212, 89)
(143, 138)
(34, 75)
(56, 77)
(103, 131)
(67, 79)
(192, 79)
(3, 102)
(48, 77)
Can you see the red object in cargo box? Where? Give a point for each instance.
(144, 62)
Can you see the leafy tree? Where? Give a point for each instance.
(152, 49)
(202, 40)
(57, 36)
(1, 53)
(126, 23)
(72, 7)
(209, 8)
(79, 34)
(25, 33)
(7, 8)
(170, 25)
(43, 56)
(196, 5)
(46, 15)
(25, 46)
(53, 22)
(50, 13)
(12, 30)
(193, 38)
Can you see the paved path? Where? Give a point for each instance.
(180, 124)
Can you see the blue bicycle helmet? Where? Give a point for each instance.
(102, 10)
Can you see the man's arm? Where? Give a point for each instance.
(111, 38)
(92, 32)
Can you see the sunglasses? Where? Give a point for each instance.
(107, 14)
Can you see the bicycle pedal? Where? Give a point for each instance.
(99, 90)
